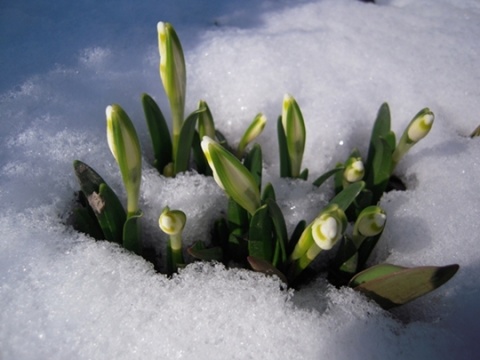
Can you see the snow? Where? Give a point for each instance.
(63, 295)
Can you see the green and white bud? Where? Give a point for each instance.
(295, 133)
(420, 126)
(354, 170)
(174, 76)
(329, 227)
(172, 222)
(252, 132)
(125, 147)
(231, 175)
(370, 222)
(416, 130)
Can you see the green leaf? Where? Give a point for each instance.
(199, 157)
(297, 232)
(285, 167)
(102, 200)
(381, 169)
(131, 233)
(265, 267)
(253, 162)
(110, 213)
(346, 197)
(321, 179)
(88, 178)
(366, 249)
(260, 241)
(268, 193)
(199, 251)
(280, 231)
(85, 222)
(159, 133)
(237, 224)
(381, 128)
(396, 286)
(185, 142)
(303, 175)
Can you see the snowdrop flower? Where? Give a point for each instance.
(370, 222)
(420, 126)
(252, 132)
(416, 130)
(125, 147)
(354, 170)
(322, 234)
(329, 227)
(172, 222)
(295, 133)
(231, 175)
(173, 75)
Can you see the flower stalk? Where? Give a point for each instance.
(172, 222)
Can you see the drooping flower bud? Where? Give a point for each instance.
(172, 222)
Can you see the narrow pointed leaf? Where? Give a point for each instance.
(110, 213)
(280, 231)
(380, 129)
(85, 222)
(268, 193)
(187, 134)
(374, 272)
(297, 232)
(379, 174)
(131, 233)
(253, 162)
(285, 167)
(159, 133)
(346, 197)
(260, 241)
(303, 175)
(321, 179)
(405, 285)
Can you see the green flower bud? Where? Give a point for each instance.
(231, 175)
(329, 227)
(420, 126)
(295, 133)
(354, 170)
(416, 130)
(252, 132)
(173, 74)
(371, 221)
(125, 147)
(172, 222)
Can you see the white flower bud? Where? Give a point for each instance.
(172, 222)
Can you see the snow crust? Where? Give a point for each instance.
(63, 295)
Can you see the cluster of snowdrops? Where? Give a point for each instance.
(253, 233)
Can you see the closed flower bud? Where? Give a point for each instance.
(231, 175)
(354, 170)
(371, 221)
(420, 126)
(254, 130)
(329, 227)
(295, 133)
(125, 147)
(172, 222)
